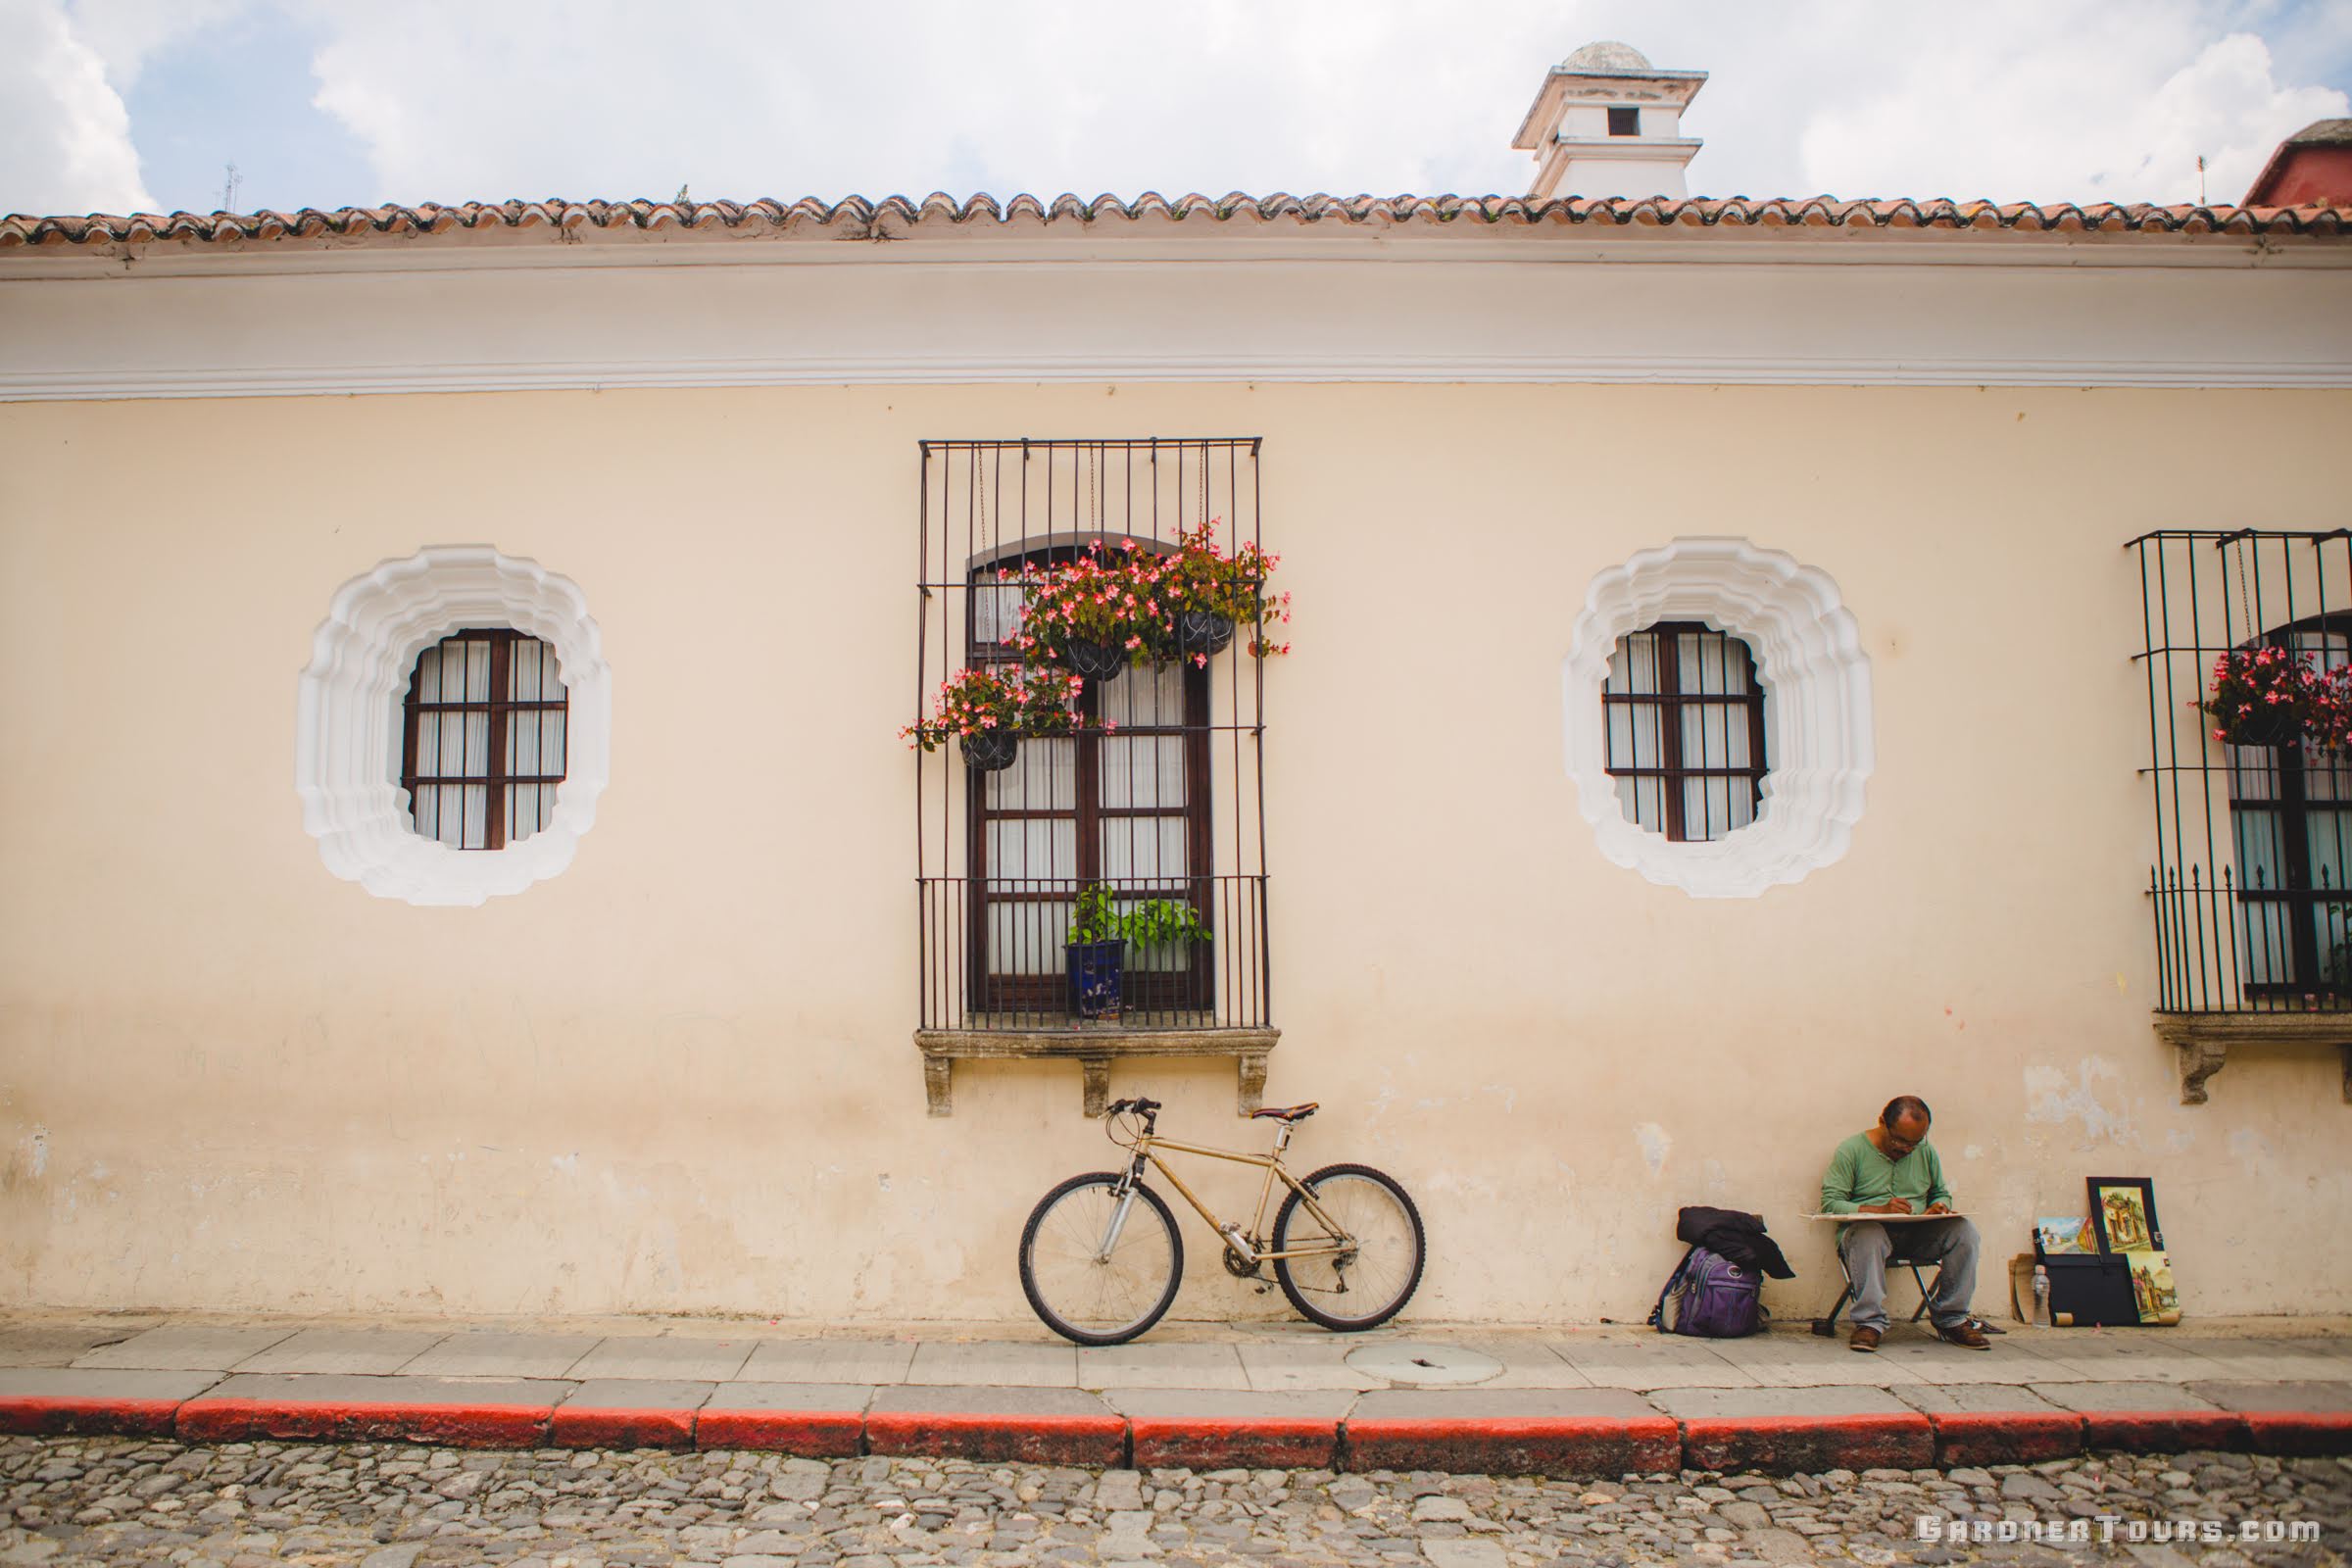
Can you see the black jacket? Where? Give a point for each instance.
(1730, 1233)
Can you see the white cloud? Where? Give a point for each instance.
(66, 133)
(485, 99)
(2016, 99)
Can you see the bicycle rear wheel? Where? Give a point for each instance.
(1376, 1233)
(1090, 1293)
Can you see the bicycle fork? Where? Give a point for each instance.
(1118, 1215)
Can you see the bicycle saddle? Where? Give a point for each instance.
(1288, 1113)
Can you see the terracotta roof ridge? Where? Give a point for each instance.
(859, 215)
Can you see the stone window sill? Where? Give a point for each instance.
(1094, 1049)
(2204, 1039)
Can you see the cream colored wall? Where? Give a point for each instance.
(679, 1076)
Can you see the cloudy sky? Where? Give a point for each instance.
(117, 105)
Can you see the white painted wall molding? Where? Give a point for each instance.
(1406, 319)
(347, 728)
(1818, 744)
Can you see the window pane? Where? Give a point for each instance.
(1145, 771)
(1145, 850)
(1027, 938)
(1027, 856)
(1043, 777)
(995, 614)
(1152, 696)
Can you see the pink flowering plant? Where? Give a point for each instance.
(1203, 578)
(2270, 695)
(1115, 600)
(1022, 700)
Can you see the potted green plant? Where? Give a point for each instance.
(1100, 931)
(987, 710)
(1212, 593)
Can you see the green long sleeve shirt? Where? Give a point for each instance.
(1859, 1174)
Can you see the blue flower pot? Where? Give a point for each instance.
(1095, 971)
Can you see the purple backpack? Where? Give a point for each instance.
(1715, 1298)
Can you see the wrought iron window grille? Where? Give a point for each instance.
(1686, 730)
(1155, 797)
(484, 738)
(2250, 893)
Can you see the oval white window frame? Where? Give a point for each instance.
(1818, 742)
(347, 734)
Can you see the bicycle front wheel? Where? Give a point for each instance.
(1363, 1252)
(1088, 1283)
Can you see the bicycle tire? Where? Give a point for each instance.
(1395, 1246)
(1072, 1220)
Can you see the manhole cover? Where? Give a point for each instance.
(1424, 1364)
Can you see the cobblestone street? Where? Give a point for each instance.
(140, 1501)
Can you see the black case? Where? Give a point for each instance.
(2094, 1289)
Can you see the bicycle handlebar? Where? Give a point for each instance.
(1140, 1105)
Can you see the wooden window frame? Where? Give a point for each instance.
(2292, 807)
(1669, 700)
(500, 709)
(1188, 989)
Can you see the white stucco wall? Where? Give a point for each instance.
(678, 1076)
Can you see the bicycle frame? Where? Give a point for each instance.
(1246, 1245)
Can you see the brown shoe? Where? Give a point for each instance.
(1966, 1335)
(1863, 1339)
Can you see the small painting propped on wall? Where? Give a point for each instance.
(2064, 1234)
(2123, 1208)
(2123, 1214)
(2152, 1289)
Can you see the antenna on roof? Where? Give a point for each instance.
(228, 189)
(2200, 179)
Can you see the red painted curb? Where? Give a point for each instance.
(1787, 1443)
(622, 1429)
(2162, 1431)
(1550, 1446)
(1202, 1443)
(29, 1415)
(2005, 1436)
(811, 1434)
(461, 1426)
(2304, 1433)
(1029, 1439)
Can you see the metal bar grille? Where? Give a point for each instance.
(484, 738)
(1157, 796)
(2250, 894)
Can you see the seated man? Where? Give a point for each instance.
(1892, 1170)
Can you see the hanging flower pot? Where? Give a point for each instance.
(1203, 631)
(991, 751)
(1095, 661)
(2268, 727)
(986, 712)
(2268, 695)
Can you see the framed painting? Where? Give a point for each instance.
(2123, 1211)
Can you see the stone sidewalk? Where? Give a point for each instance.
(1557, 1402)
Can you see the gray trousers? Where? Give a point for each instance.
(1951, 1244)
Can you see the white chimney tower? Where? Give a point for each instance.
(1607, 123)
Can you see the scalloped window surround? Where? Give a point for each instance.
(347, 731)
(1817, 730)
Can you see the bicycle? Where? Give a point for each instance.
(1101, 1258)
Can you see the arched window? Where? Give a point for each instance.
(484, 738)
(1123, 803)
(1686, 730)
(2291, 812)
